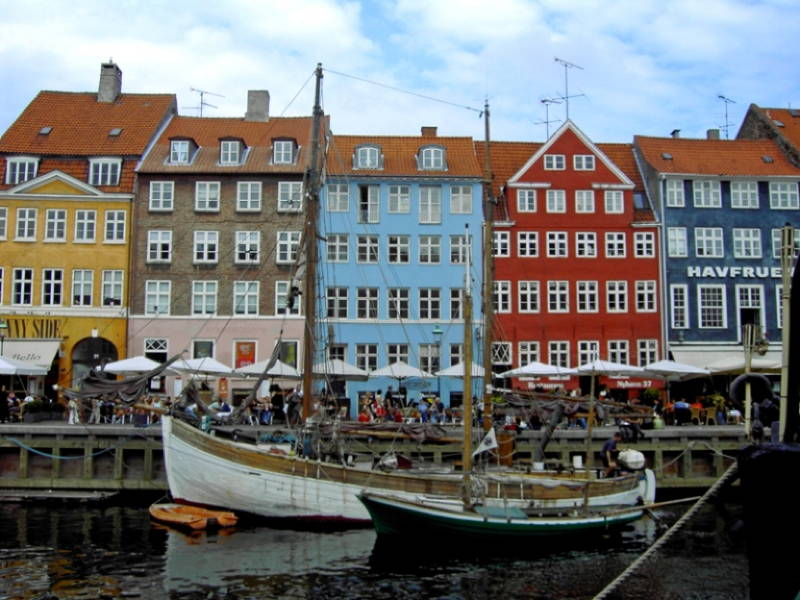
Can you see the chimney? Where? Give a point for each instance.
(712, 134)
(676, 133)
(257, 105)
(110, 82)
(428, 131)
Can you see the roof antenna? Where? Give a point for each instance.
(726, 101)
(547, 102)
(567, 66)
(203, 100)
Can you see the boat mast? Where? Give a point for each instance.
(310, 235)
(488, 274)
(466, 452)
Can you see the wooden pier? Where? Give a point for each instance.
(54, 458)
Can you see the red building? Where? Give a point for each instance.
(576, 258)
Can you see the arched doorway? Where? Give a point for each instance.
(89, 353)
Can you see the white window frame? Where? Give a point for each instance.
(527, 244)
(432, 158)
(528, 352)
(248, 247)
(702, 321)
(619, 351)
(159, 241)
(675, 193)
(367, 302)
(85, 230)
(26, 224)
(162, 196)
(157, 296)
(526, 201)
(245, 298)
(557, 244)
(337, 300)
(230, 152)
(52, 287)
(22, 286)
(744, 194)
(283, 152)
(502, 296)
(708, 242)
(290, 196)
(105, 171)
(747, 242)
(646, 351)
(614, 202)
(55, 225)
(368, 157)
(367, 356)
(368, 249)
(588, 351)
(430, 204)
(583, 162)
(459, 248)
(585, 244)
(616, 244)
(677, 242)
(179, 152)
(399, 199)
(338, 197)
(205, 247)
(616, 296)
(207, 196)
(558, 353)
(501, 244)
(337, 248)
(82, 282)
(644, 244)
(204, 297)
(112, 287)
(429, 250)
(529, 296)
(115, 227)
(3, 225)
(461, 199)
(679, 306)
(783, 195)
(556, 201)
(398, 303)
(706, 193)
(369, 204)
(287, 246)
(646, 296)
(584, 201)
(558, 296)
(20, 169)
(430, 303)
(555, 162)
(282, 292)
(750, 296)
(248, 196)
(587, 296)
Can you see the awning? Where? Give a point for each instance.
(724, 359)
(33, 352)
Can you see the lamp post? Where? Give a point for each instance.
(437, 335)
(3, 330)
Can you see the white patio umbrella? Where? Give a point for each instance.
(279, 369)
(458, 370)
(202, 366)
(670, 370)
(400, 370)
(538, 369)
(338, 369)
(134, 365)
(9, 366)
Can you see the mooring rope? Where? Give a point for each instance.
(635, 565)
(49, 455)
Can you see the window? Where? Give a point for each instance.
(337, 351)
(283, 152)
(456, 354)
(399, 199)
(558, 354)
(501, 353)
(584, 201)
(114, 227)
(84, 226)
(679, 305)
(558, 296)
(644, 245)
(708, 242)
(647, 351)
(22, 287)
(3, 222)
(162, 195)
(206, 196)
(526, 200)
(587, 296)
(179, 151)
(614, 201)
(206, 246)
(461, 199)
(399, 249)
(554, 162)
(338, 197)
(528, 296)
(156, 349)
(501, 244)
(159, 246)
(777, 242)
(367, 303)
(744, 194)
(367, 356)
(245, 298)
(430, 249)
(156, 297)
(55, 225)
(82, 283)
(677, 245)
(585, 244)
(557, 243)
(248, 247)
(459, 249)
(783, 195)
(750, 304)
(646, 296)
(369, 203)
(52, 287)
(528, 353)
(204, 297)
(430, 204)
(367, 249)
(556, 201)
(337, 247)
(618, 351)
(502, 296)
(202, 348)
(456, 303)
(432, 159)
(398, 303)
(248, 196)
(290, 196)
(588, 350)
(430, 303)
(368, 157)
(617, 296)
(285, 301)
(615, 244)
(527, 244)
(675, 194)
(230, 152)
(26, 225)
(397, 353)
(104, 171)
(747, 243)
(711, 306)
(583, 162)
(288, 244)
(706, 194)
(20, 169)
(112, 288)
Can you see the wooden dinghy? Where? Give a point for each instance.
(192, 517)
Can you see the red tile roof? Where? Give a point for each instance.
(81, 125)
(507, 159)
(714, 157)
(786, 122)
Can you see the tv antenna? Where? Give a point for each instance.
(567, 66)
(727, 124)
(547, 102)
(203, 102)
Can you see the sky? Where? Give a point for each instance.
(634, 67)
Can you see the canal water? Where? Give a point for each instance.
(55, 552)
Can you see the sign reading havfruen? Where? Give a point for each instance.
(732, 272)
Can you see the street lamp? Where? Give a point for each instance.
(437, 335)
(3, 330)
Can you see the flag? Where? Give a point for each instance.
(487, 443)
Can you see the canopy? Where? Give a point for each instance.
(338, 369)
(728, 358)
(400, 370)
(612, 369)
(9, 366)
(538, 369)
(670, 370)
(202, 366)
(279, 369)
(458, 370)
(133, 366)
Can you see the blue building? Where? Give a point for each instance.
(397, 217)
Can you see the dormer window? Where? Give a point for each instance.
(20, 169)
(368, 157)
(104, 171)
(283, 152)
(431, 158)
(230, 152)
(179, 151)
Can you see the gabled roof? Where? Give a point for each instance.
(786, 122)
(207, 133)
(54, 183)
(399, 156)
(715, 157)
(507, 158)
(80, 125)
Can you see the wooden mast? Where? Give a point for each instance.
(310, 235)
(488, 274)
(466, 452)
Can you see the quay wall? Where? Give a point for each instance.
(118, 458)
